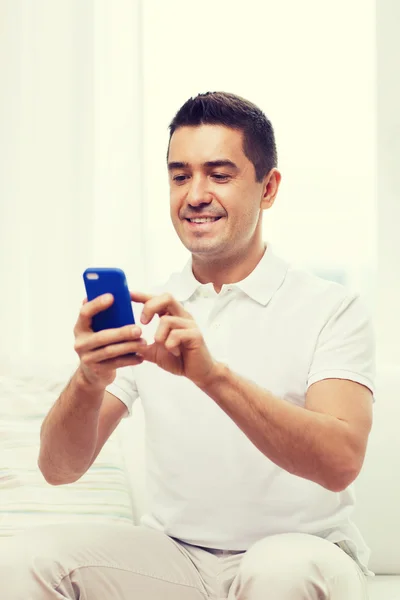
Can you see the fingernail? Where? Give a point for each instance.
(143, 319)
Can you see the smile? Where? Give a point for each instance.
(203, 219)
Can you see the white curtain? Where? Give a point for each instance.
(88, 88)
(71, 172)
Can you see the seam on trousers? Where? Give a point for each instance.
(343, 545)
(361, 575)
(187, 556)
(133, 571)
(363, 578)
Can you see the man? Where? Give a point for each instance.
(256, 380)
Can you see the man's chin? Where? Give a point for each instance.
(204, 247)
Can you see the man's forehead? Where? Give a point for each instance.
(205, 143)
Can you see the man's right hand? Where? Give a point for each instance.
(101, 353)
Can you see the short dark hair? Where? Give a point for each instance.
(222, 108)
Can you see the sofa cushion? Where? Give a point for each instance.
(378, 493)
(26, 499)
(384, 587)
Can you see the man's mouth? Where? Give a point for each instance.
(203, 219)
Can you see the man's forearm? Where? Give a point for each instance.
(68, 435)
(305, 443)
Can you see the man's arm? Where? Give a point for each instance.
(76, 429)
(85, 415)
(325, 441)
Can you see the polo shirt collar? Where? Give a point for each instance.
(260, 285)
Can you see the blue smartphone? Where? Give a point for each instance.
(109, 281)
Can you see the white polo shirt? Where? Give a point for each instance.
(284, 329)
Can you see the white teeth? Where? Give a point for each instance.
(206, 220)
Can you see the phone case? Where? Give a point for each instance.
(109, 280)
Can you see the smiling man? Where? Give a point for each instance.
(217, 198)
(256, 380)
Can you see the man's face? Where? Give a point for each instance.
(215, 200)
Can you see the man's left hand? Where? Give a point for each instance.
(179, 346)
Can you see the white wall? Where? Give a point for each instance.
(311, 67)
(388, 158)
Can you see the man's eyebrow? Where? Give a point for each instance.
(222, 162)
(177, 165)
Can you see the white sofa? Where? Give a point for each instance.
(377, 488)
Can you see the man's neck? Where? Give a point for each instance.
(226, 270)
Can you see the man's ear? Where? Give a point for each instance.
(271, 186)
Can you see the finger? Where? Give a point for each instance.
(84, 301)
(140, 297)
(92, 341)
(114, 351)
(89, 309)
(182, 337)
(129, 360)
(161, 305)
(167, 323)
(172, 344)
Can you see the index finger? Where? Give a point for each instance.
(140, 297)
(160, 305)
(91, 308)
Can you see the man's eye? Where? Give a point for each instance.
(220, 177)
(179, 178)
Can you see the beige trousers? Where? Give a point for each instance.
(122, 562)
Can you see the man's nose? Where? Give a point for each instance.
(198, 194)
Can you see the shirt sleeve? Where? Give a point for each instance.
(124, 387)
(346, 346)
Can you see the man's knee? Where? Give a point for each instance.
(41, 548)
(291, 563)
(33, 555)
(275, 557)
